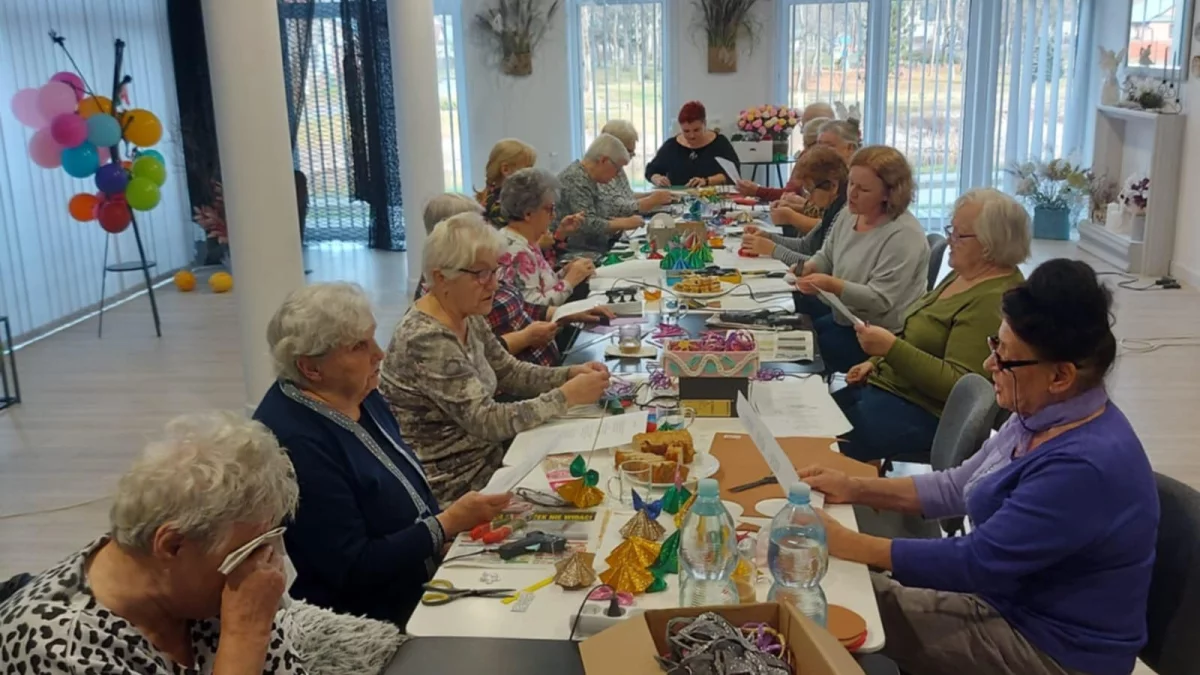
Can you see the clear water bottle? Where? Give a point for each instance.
(798, 555)
(707, 551)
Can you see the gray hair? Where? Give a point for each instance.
(812, 129)
(623, 130)
(607, 146)
(456, 243)
(525, 191)
(448, 204)
(209, 472)
(1002, 225)
(314, 320)
(848, 130)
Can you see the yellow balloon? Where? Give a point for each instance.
(141, 127)
(94, 105)
(220, 282)
(185, 281)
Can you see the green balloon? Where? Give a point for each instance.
(151, 169)
(142, 194)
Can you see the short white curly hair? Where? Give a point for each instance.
(209, 472)
(455, 244)
(314, 320)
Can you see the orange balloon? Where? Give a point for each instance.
(126, 164)
(142, 127)
(185, 281)
(94, 105)
(83, 207)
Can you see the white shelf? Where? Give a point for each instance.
(1132, 113)
(1117, 250)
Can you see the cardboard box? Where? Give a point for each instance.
(629, 647)
(712, 396)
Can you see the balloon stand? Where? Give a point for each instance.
(9, 396)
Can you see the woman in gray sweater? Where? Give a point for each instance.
(875, 257)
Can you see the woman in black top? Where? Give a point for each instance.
(691, 157)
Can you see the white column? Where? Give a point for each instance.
(246, 71)
(418, 120)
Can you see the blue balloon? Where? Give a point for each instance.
(104, 131)
(111, 179)
(81, 161)
(150, 153)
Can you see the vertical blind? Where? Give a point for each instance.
(451, 92)
(51, 265)
(618, 54)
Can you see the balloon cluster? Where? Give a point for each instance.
(77, 132)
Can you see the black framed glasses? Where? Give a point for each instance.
(993, 343)
(481, 276)
(955, 236)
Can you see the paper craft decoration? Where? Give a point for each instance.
(627, 578)
(576, 571)
(582, 492)
(667, 561)
(634, 551)
(642, 527)
(687, 506)
(675, 496)
(652, 509)
(658, 585)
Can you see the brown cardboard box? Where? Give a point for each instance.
(629, 647)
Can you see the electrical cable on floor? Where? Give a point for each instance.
(1128, 280)
(10, 516)
(1152, 344)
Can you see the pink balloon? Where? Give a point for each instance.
(24, 106)
(68, 130)
(105, 157)
(54, 99)
(76, 82)
(44, 151)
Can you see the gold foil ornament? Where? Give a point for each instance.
(576, 571)
(579, 493)
(641, 525)
(627, 578)
(634, 551)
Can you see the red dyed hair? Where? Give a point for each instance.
(692, 111)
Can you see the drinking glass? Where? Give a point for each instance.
(633, 474)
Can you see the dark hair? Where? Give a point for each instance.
(1062, 312)
(692, 111)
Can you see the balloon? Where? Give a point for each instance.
(111, 179)
(105, 155)
(141, 127)
(94, 105)
(185, 281)
(220, 282)
(81, 161)
(24, 106)
(103, 130)
(83, 207)
(151, 153)
(44, 151)
(127, 165)
(149, 167)
(114, 216)
(54, 99)
(100, 199)
(142, 194)
(68, 130)
(69, 78)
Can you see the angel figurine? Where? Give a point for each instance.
(1110, 61)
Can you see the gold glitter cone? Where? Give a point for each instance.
(641, 525)
(687, 506)
(634, 551)
(627, 578)
(580, 494)
(575, 572)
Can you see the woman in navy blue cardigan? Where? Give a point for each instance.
(368, 532)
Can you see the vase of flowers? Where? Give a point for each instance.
(763, 132)
(1134, 198)
(1054, 189)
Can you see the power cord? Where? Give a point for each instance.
(68, 507)
(614, 608)
(1129, 282)
(1147, 345)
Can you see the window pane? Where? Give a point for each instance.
(453, 150)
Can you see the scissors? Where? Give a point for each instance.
(441, 592)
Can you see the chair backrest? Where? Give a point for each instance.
(966, 422)
(1174, 608)
(937, 251)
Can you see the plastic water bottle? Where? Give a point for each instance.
(707, 551)
(798, 555)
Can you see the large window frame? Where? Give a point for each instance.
(457, 157)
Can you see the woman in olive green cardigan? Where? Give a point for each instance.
(896, 397)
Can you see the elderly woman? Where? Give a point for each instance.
(875, 257)
(443, 367)
(508, 156)
(619, 199)
(909, 375)
(690, 157)
(844, 136)
(148, 597)
(369, 531)
(1054, 575)
(823, 176)
(604, 160)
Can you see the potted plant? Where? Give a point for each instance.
(763, 132)
(1054, 189)
(722, 22)
(211, 218)
(515, 28)
(1134, 198)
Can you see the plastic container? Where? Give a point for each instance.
(798, 556)
(707, 551)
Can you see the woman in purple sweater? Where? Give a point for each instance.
(1054, 575)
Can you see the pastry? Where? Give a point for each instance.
(695, 283)
(662, 470)
(661, 443)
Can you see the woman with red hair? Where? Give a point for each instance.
(690, 158)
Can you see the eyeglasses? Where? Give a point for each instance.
(481, 276)
(993, 343)
(549, 208)
(955, 236)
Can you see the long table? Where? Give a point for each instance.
(549, 617)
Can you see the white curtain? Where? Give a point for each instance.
(51, 265)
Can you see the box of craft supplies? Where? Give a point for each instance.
(629, 648)
(732, 354)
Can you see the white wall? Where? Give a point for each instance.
(1186, 262)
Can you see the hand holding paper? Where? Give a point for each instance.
(838, 306)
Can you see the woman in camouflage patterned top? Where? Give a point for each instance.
(444, 367)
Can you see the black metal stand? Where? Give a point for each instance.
(8, 397)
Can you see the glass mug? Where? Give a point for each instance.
(629, 339)
(633, 474)
(674, 418)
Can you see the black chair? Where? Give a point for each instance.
(1173, 612)
(937, 251)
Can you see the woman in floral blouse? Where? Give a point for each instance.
(508, 156)
(527, 204)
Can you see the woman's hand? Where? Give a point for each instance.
(793, 201)
(698, 181)
(838, 537)
(837, 487)
(874, 340)
(251, 594)
(859, 373)
(747, 187)
(751, 229)
(470, 510)
(810, 283)
(660, 198)
(757, 244)
(589, 367)
(579, 270)
(585, 387)
(569, 224)
(540, 333)
(783, 215)
(660, 180)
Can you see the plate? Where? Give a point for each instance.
(702, 466)
(769, 507)
(725, 288)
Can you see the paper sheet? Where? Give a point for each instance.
(798, 407)
(793, 345)
(507, 478)
(730, 169)
(576, 306)
(567, 436)
(619, 429)
(838, 306)
(765, 441)
(631, 269)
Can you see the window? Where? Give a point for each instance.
(447, 28)
(618, 60)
